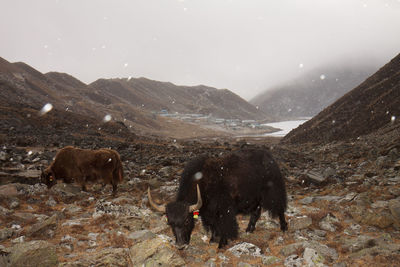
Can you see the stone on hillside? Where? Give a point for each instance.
(293, 261)
(117, 257)
(6, 233)
(155, 252)
(327, 223)
(8, 190)
(66, 191)
(394, 207)
(313, 258)
(381, 219)
(307, 200)
(291, 249)
(315, 177)
(43, 226)
(4, 212)
(358, 243)
(141, 235)
(299, 223)
(269, 260)
(327, 252)
(245, 248)
(33, 253)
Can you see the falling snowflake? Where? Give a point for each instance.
(107, 118)
(198, 175)
(46, 108)
(126, 65)
(393, 118)
(322, 77)
(301, 65)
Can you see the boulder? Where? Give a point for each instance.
(33, 253)
(155, 252)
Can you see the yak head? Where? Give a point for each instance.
(180, 217)
(47, 178)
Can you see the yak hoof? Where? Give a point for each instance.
(250, 228)
(222, 243)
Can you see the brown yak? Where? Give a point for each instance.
(82, 165)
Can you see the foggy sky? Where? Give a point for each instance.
(245, 46)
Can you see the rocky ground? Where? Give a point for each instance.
(344, 208)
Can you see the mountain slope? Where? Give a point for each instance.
(372, 105)
(156, 96)
(307, 95)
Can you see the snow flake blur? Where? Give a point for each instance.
(46, 108)
(107, 118)
(322, 77)
(198, 175)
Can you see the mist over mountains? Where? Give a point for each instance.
(310, 93)
(371, 106)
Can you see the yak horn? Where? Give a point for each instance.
(160, 208)
(199, 203)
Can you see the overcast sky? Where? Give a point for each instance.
(246, 46)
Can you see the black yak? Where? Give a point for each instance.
(82, 165)
(240, 182)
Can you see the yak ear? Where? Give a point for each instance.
(160, 208)
(199, 203)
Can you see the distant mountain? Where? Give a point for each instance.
(155, 96)
(372, 105)
(310, 93)
(132, 104)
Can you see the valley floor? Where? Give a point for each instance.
(344, 209)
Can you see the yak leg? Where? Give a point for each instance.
(214, 236)
(227, 228)
(282, 221)
(114, 185)
(255, 215)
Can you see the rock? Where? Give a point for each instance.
(329, 172)
(117, 257)
(108, 207)
(307, 200)
(66, 191)
(315, 177)
(245, 248)
(8, 190)
(353, 229)
(41, 227)
(313, 258)
(299, 223)
(327, 223)
(33, 253)
(6, 233)
(51, 202)
(357, 244)
(142, 235)
(291, 249)
(269, 260)
(4, 212)
(166, 171)
(293, 261)
(245, 264)
(394, 207)
(325, 251)
(155, 252)
(382, 219)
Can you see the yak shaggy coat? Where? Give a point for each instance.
(82, 165)
(241, 182)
